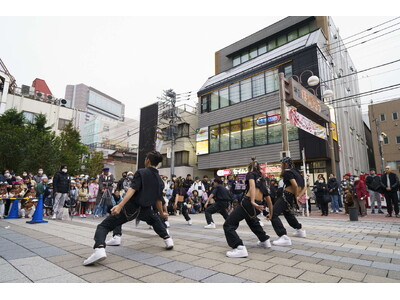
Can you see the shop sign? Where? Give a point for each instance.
(306, 124)
(202, 134)
(272, 119)
(222, 173)
(238, 171)
(202, 147)
(334, 131)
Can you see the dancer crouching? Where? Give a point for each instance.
(252, 204)
(145, 192)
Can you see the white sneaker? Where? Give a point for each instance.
(300, 233)
(240, 251)
(114, 241)
(169, 243)
(167, 223)
(284, 240)
(210, 226)
(54, 216)
(98, 255)
(150, 227)
(266, 244)
(190, 222)
(261, 224)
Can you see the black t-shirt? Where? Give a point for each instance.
(154, 186)
(289, 174)
(257, 177)
(221, 193)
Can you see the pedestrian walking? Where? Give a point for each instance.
(145, 192)
(255, 198)
(293, 184)
(222, 199)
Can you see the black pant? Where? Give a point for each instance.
(128, 213)
(243, 211)
(281, 206)
(184, 210)
(218, 206)
(392, 200)
(323, 204)
(83, 208)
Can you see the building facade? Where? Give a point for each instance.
(385, 131)
(239, 107)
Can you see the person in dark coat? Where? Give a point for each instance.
(61, 185)
(390, 185)
(333, 189)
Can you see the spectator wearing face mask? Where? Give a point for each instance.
(38, 176)
(120, 186)
(61, 184)
(127, 182)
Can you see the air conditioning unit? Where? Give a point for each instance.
(50, 98)
(64, 103)
(39, 96)
(25, 89)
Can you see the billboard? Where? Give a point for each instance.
(202, 141)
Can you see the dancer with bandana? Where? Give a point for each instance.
(293, 185)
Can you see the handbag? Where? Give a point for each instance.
(327, 199)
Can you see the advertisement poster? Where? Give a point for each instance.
(306, 124)
(202, 141)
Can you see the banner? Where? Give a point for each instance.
(202, 141)
(334, 131)
(202, 134)
(306, 124)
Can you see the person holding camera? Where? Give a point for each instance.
(106, 181)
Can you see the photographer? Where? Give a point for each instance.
(106, 180)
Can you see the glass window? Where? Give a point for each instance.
(29, 116)
(214, 101)
(258, 85)
(224, 97)
(62, 123)
(383, 117)
(234, 93)
(166, 162)
(260, 129)
(214, 138)
(182, 158)
(274, 128)
(397, 139)
(224, 140)
(394, 164)
(385, 140)
(304, 30)
(244, 57)
(253, 53)
(293, 133)
(395, 116)
(292, 35)
(271, 81)
(282, 40)
(236, 61)
(183, 130)
(247, 132)
(271, 45)
(245, 89)
(288, 70)
(204, 103)
(236, 134)
(262, 49)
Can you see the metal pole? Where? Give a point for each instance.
(303, 154)
(380, 146)
(332, 148)
(285, 140)
(173, 129)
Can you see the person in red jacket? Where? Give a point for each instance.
(360, 196)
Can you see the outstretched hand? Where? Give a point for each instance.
(116, 210)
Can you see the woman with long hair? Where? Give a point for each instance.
(256, 196)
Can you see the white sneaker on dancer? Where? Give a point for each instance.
(54, 216)
(114, 241)
(167, 223)
(284, 240)
(261, 224)
(190, 222)
(210, 226)
(238, 252)
(300, 233)
(98, 255)
(169, 243)
(266, 244)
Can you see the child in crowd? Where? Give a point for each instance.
(93, 190)
(16, 192)
(3, 195)
(28, 205)
(83, 197)
(48, 198)
(302, 201)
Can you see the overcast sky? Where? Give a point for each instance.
(134, 58)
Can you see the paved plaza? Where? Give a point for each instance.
(335, 250)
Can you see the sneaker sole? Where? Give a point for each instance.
(289, 244)
(97, 260)
(169, 248)
(112, 244)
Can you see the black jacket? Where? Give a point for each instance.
(61, 182)
(320, 189)
(394, 181)
(333, 184)
(373, 182)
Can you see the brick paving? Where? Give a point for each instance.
(335, 251)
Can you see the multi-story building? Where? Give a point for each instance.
(385, 130)
(239, 107)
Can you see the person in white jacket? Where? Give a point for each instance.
(197, 186)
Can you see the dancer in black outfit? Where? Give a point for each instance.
(253, 203)
(146, 191)
(222, 200)
(293, 186)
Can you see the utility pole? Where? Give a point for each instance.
(380, 138)
(171, 95)
(282, 96)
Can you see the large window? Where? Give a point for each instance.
(258, 85)
(274, 128)
(247, 132)
(224, 97)
(30, 116)
(271, 81)
(214, 139)
(62, 123)
(395, 116)
(245, 89)
(204, 104)
(236, 134)
(214, 101)
(234, 93)
(224, 139)
(260, 129)
(182, 158)
(182, 130)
